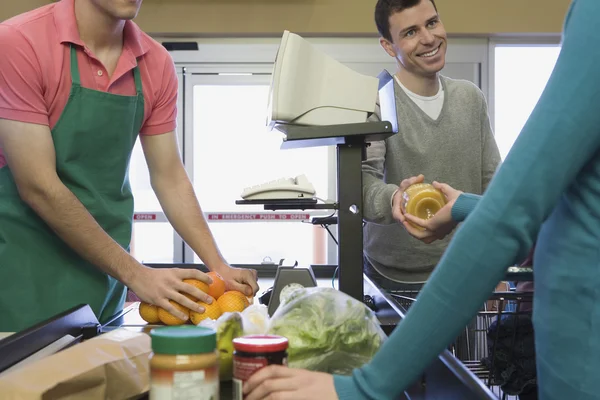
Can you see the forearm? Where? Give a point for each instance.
(71, 221)
(377, 194)
(464, 205)
(377, 199)
(183, 211)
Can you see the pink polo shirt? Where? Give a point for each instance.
(35, 75)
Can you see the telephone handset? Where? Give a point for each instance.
(283, 188)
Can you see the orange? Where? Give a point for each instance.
(196, 283)
(241, 295)
(169, 319)
(212, 311)
(233, 301)
(217, 287)
(149, 313)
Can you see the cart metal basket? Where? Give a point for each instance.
(498, 345)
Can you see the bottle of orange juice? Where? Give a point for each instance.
(423, 200)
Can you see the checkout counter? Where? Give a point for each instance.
(446, 378)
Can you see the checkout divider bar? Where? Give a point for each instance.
(79, 323)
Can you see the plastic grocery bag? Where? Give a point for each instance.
(256, 319)
(328, 330)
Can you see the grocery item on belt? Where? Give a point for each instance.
(184, 361)
(253, 352)
(327, 330)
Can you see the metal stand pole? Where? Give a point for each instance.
(350, 224)
(350, 141)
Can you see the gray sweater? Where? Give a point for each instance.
(458, 149)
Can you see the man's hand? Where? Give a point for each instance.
(159, 285)
(282, 383)
(398, 200)
(240, 279)
(438, 226)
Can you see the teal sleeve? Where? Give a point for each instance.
(464, 205)
(560, 137)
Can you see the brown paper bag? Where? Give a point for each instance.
(114, 365)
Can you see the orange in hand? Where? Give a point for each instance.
(217, 287)
(149, 313)
(169, 319)
(212, 311)
(241, 295)
(233, 301)
(198, 284)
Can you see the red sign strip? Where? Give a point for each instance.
(236, 217)
(144, 217)
(257, 217)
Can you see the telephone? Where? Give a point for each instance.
(279, 189)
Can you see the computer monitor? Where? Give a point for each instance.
(309, 87)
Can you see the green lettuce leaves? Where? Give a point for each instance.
(327, 330)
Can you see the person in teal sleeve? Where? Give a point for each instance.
(547, 191)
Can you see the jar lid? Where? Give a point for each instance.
(183, 340)
(260, 343)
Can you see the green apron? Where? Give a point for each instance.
(40, 276)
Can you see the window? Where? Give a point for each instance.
(520, 75)
(255, 242)
(233, 149)
(151, 241)
(145, 199)
(154, 240)
(226, 147)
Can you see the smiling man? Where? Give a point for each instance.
(79, 82)
(444, 134)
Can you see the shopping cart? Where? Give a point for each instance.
(497, 345)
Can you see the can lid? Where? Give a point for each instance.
(183, 340)
(260, 343)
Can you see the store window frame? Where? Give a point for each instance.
(516, 41)
(233, 74)
(256, 55)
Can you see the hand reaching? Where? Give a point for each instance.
(240, 279)
(160, 285)
(277, 382)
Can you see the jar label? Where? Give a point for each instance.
(243, 368)
(200, 384)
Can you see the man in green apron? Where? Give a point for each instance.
(78, 82)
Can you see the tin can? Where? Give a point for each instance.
(254, 352)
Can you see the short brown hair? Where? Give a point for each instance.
(386, 8)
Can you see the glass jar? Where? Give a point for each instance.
(253, 352)
(184, 363)
(423, 200)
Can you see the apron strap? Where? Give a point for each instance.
(75, 79)
(138, 80)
